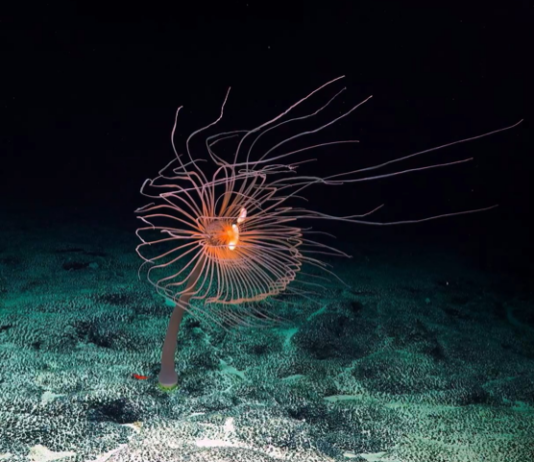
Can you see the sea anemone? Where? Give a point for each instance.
(233, 237)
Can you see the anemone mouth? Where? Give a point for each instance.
(235, 237)
(222, 234)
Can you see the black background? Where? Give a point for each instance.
(88, 98)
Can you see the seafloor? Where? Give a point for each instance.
(425, 355)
